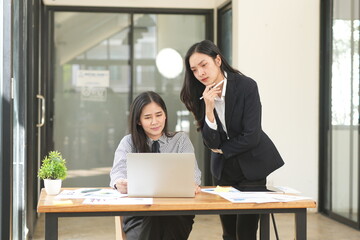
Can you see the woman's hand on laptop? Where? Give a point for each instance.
(197, 189)
(121, 185)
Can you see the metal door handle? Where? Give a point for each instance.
(42, 121)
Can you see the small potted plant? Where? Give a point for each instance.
(53, 170)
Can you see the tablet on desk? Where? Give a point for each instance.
(161, 174)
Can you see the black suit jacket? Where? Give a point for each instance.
(245, 141)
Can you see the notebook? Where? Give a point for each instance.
(161, 174)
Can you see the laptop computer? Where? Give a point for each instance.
(161, 174)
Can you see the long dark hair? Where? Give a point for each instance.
(138, 135)
(192, 89)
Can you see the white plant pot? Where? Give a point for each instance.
(52, 187)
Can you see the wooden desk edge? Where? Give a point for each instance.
(167, 204)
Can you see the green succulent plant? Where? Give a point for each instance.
(53, 167)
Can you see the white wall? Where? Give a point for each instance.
(277, 44)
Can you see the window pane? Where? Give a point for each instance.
(345, 109)
(91, 92)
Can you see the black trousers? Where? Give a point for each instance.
(240, 226)
(158, 227)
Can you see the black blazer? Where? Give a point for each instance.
(246, 141)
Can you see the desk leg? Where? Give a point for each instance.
(300, 225)
(51, 227)
(264, 226)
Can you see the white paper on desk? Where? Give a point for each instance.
(119, 201)
(97, 193)
(248, 197)
(288, 198)
(212, 190)
(259, 197)
(287, 189)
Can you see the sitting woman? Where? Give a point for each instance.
(148, 128)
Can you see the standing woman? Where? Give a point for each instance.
(148, 133)
(227, 108)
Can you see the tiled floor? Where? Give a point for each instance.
(206, 227)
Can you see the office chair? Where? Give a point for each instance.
(119, 233)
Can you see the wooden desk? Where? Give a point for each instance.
(203, 203)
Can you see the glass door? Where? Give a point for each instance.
(345, 110)
(339, 149)
(99, 61)
(90, 92)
